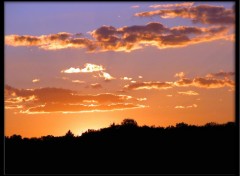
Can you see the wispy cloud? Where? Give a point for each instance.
(96, 86)
(184, 4)
(135, 6)
(47, 100)
(78, 81)
(190, 92)
(81, 108)
(149, 85)
(186, 107)
(141, 99)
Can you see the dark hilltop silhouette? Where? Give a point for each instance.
(127, 148)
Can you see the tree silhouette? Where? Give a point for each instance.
(113, 125)
(211, 124)
(69, 134)
(183, 149)
(129, 123)
(16, 137)
(181, 125)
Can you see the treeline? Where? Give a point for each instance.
(127, 148)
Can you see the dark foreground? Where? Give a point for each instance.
(127, 148)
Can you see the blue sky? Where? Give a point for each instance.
(38, 18)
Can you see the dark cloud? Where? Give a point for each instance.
(205, 82)
(186, 30)
(149, 85)
(205, 14)
(127, 38)
(212, 83)
(221, 74)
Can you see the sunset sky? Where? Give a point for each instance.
(79, 65)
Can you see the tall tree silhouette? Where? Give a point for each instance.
(69, 134)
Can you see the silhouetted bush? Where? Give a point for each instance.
(129, 123)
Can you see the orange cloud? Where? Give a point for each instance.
(21, 99)
(205, 83)
(200, 82)
(186, 107)
(205, 14)
(190, 92)
(65, 108)
(209, 81)
(179, 107)
(13, 106)
(141, 99)
(231, 37)
(184, 4)
(57, 41)
(46, 100)
(96, 86)
(78, 81)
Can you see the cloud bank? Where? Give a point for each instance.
(47, 100)
(199, 82)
